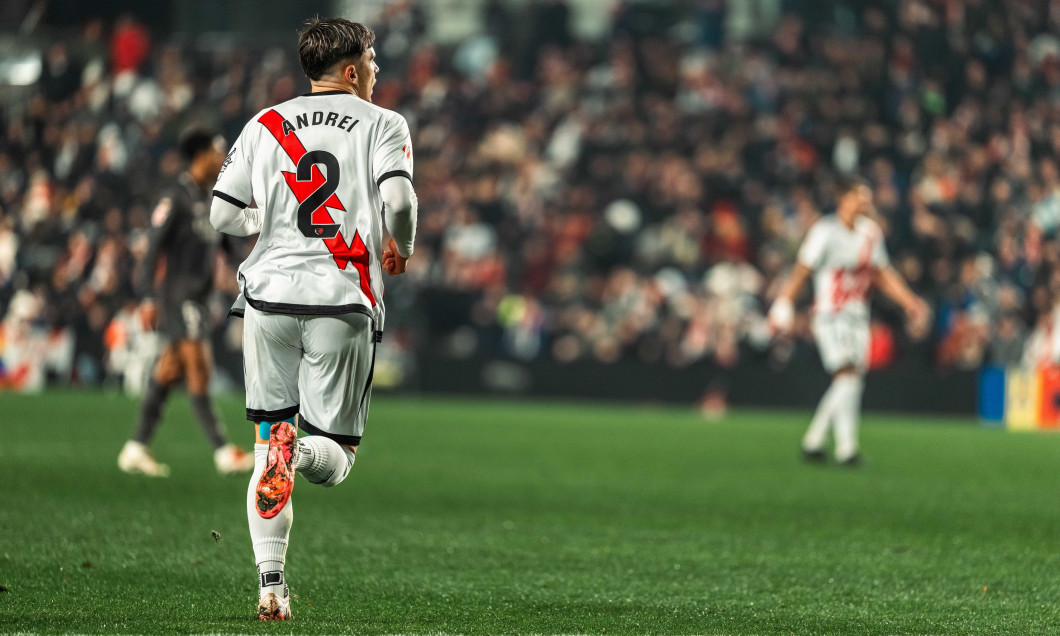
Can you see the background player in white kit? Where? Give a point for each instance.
(319, 168)
(846, 255)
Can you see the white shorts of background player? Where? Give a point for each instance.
(842, 341)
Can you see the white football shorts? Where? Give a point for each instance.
(842, 340)
(319, 367)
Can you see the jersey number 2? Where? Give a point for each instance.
(320, 195)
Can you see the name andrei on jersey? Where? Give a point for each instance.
(332, 119)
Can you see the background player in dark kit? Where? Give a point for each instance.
(176, 281)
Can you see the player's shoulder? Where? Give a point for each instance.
(258, 115)
(824, 225)
(382, 113)
(171, 204)
(176, 191)
(253, 124)
(388, 118)
(868, 226)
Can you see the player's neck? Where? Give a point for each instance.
(198, 178)
(327, 85)
(847, 219)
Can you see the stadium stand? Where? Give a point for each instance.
(635, 200)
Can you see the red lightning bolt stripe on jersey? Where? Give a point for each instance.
(313, 164)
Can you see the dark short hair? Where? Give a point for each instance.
(323, 43)
(847, 184)
(193, 141)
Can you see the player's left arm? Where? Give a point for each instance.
(230, 211)
(232, 219)
(893, 286)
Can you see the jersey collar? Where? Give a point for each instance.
(322, 93)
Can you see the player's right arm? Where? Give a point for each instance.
(782, 313)
(400, 211)
(162, 222)
(230, 212)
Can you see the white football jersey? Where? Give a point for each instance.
(843, 261)
(313, 165)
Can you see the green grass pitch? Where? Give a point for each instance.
(480, 517)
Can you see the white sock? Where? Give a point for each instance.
(814, 438)
(323, 461)
(847, 415)
(269, 535)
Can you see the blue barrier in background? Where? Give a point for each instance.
(992, 396)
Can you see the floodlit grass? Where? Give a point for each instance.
(480, 517)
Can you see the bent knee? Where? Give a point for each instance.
(340, 472)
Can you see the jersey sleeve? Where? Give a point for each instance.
(393, 154)
(811, 254)
(233, 183)
(880, 259)
(163, 221)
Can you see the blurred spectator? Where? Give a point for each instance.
(130, 45)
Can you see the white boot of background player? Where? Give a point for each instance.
(136, 459)
(232, 460)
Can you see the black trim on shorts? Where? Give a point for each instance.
(308, 310)
(259, 415)
(238, 310)
(393, 173)
(227, 197)
(353, 440)
(371, 373)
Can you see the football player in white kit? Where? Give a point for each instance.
(846, 255)
(320, 169)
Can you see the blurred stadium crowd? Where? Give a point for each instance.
(635, 198)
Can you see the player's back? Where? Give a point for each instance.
(181, 234)
(313, 165)
(842, 259)
(192, 240)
